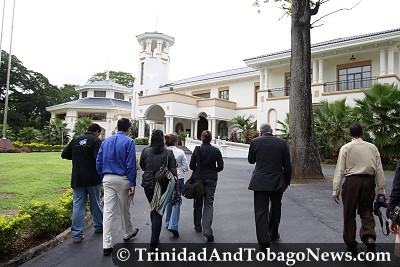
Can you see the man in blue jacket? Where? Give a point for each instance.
(270, 178)
(116, 163)
(82, 150)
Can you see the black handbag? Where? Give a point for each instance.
(194, 188)
(161, 175)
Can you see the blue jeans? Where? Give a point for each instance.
(79, 209)
(173, 211)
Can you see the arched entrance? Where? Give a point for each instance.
(202, 125)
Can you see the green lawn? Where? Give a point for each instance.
(41, 176)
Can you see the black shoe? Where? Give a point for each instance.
(370, 243)
(98, 230)
(175, 233)
(210, 238)
(107, 251)
(353, 249)
(198, 229)
(78, 240)
(264, 246)
(135, 231)
(275, 238)
(153, 248)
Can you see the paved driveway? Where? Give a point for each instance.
(309, 216)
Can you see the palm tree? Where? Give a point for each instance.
(379, 114)
(81, 126)
(331, 124)
(56, 133)
(29, 134)
(284, 127)
(245, 127)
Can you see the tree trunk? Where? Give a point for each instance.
(303, 143)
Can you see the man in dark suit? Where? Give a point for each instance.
(269, 180)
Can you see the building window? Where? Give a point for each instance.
(84, 94)
(224, 93)
(202, 94)
(141, 73)
(223, 130)
(61, 116)
(354, 76)
(93, 116)
(99, 93)
(286, 89)
(119, 96)
(256, 88)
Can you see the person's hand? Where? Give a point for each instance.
(336, 198)
(393, 227)
(131, 191)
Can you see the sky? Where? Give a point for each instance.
(70, 40)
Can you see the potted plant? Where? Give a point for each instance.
(182, 137)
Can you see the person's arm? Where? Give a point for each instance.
(339, 173)
(67, 152)
(220, 161)
(131, 163)
(380, 176)
(96, 148)
(287, 167)
(184, 163)
(252, 153)
(99, 162)
(193, 162)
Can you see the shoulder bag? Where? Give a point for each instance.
(194, 188)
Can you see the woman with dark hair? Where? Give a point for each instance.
(173, 210)
(151, 160)
(210, 164)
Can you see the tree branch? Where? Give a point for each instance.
(341, 9)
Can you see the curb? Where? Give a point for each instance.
(39, 249)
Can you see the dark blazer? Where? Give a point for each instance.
(273, 169)
(83, 151)
(394, 199)
(211, 162)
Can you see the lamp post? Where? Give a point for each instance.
(8, 78)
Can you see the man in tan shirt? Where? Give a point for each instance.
(360, 163)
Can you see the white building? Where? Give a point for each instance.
(341, 68)
(104, 102)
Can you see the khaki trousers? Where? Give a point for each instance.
(116, 190)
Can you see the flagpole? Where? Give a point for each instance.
(1, 35)
(8, 78)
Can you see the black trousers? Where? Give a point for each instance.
(358, 195)
(156, 220)
(204, 208)
(267, 218)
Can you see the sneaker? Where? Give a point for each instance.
(210, 238)
(78, 240)
(134, 233)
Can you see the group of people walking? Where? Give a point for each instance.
(112, 163)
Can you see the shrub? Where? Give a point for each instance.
(44, 218)
(10, 229)
(39, 147)
(142, 141)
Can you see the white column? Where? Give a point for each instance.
(192, 129)
(195, 129)
(140, 131)
(320, 71)
(314, 71)
(391, 60)
(142, 46)
(266, 80)
(171, 124)
(166, 125)
(213, 131)
(151, 126)
(159, 47)
(382, 61)
(148, 46)
(262, 79)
